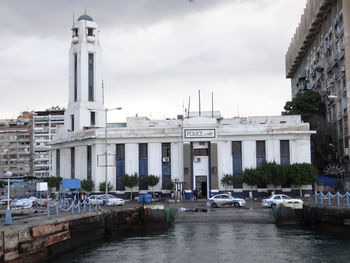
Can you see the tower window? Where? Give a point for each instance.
(72, 122)
(75, 32)
(90, 32)
(91, 76)
(75, 77)
(93, 118)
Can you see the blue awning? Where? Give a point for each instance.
(71, 184)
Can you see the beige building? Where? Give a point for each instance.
(16, 151)
(318, 58)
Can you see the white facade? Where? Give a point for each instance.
(44, 128)
(196, 151)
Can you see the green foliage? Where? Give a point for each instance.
(53, 181)
(277, 174)
(307, 104)
(130, 181)
(253, 177)
(87, 185)
(227, 180)
(152, 180)
(170, 185)
(2, 183)
(102, 187)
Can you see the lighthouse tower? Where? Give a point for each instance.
(85, 106)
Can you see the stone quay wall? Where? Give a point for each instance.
(44, 239)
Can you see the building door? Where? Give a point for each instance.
(201, 186)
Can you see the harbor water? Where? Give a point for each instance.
(217, 242)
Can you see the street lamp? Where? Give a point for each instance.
(106, 166)
(8, 217)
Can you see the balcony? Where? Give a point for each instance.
(75, 40)
(91, 39)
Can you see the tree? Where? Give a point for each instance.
(130, 181)
(253, 177)
(152, 181)
(272, 173)
(227, 180)
(170, 185)
(307, 104)
(87, 185)
(312, 109)
(303, 174)
(53, 181)
(102, 187)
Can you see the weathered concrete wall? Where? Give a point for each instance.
(327, 217)
(41, 240)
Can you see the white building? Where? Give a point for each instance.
(197, 150)
(44, 128)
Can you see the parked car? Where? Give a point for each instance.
(275, 200)
(225, 199)
(94, 199)
(111, 200)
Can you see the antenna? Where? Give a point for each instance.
(103, 93)
(199, 102)
(73, 20)
(237, 109)
(212, 104)
(189, 106)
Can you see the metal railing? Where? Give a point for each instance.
(328, 198)
(65, 206)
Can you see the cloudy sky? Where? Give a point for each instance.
(156, 54)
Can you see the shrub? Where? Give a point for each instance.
(87, 185)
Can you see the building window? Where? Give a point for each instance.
(58, 162)
(166, 165)
(284, 152)
(75, 76)
(166, 150)
(120, 152)
(72, 162)
(200, 152)
(143, 151)
(89, 162)
(90, 32)
(91, 76)
(143, 165)
(72, 122)
(260, 152)
(75, 32)
(120, 166)
(237, 157)
(92, 118)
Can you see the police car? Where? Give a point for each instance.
(280, 199)
(225, 199)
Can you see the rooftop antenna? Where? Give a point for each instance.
(237, 109)
(212, 104)
(189, 106)
(73, 20)
(199, 102)
(103, 92)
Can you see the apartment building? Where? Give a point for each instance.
(16, 149)
(45, 124)
(318, 58)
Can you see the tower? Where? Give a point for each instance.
(85, 106)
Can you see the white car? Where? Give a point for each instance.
(94, 199)
(111, 200)
(276, 200)
(225, 199)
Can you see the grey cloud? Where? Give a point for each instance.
(45, 17)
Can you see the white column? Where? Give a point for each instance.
(248, 154)
(225, 163)
(155, 162)
(131, 158)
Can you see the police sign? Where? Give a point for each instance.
(199, 133)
